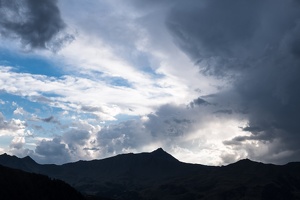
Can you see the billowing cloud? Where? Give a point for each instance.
(170, 123)
(76, 139)
(17, 142)
(53, 151)
(191, 134)
(12, 126)
(123, 137)
(73, 144)
(35, 22)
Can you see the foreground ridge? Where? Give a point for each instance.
(16, 184)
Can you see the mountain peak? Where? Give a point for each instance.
(245, 160)
(159, 150)
(28, 159)
(244, 163)
(7, 156)
(160, 153)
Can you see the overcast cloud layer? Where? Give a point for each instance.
(210, 81)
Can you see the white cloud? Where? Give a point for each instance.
(12, 127)
(19, 111)
(17, 142)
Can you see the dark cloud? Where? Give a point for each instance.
(52, 151)
(125, 135)
(51, 148)
(221, 36)
(255, 45)
(40, 99)
(91, 149)
(239, 139)
(91, 109)
(225, 111)
(169, 121)
(252, 129)
(49, 119)
(61, 149)
(198, 102)
(150, 5)
(35, 22)
(76, 136)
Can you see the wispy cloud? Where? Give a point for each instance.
(81, 94)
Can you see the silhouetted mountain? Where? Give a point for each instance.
(158, 175)
(242, 180)
(25, 163)
(16, 184)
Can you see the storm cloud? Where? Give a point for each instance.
(255, 46)
(34, 22)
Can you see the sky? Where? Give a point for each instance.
(209, 81)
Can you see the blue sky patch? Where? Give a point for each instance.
(119, 81)
(27, 63)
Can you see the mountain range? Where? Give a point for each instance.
(158, 175)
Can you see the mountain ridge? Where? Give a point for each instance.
(158, 175)
(160, 152)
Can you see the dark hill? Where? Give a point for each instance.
(16, 184)
(26, 163)
(125, 174)
(242, 180)
(158, 175)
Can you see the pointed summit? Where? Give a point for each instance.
(159, 150)
(161, 154)
(28, 159)
(245, 161)
(7, 157)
